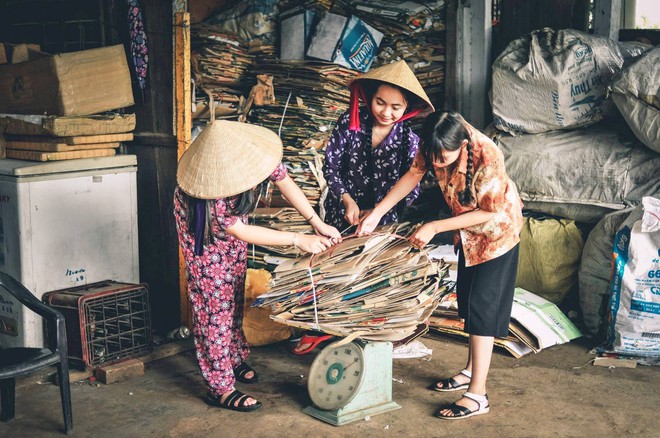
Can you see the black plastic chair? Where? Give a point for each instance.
(15, 362)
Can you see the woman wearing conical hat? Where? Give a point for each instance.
(219, 179)
(371, 147)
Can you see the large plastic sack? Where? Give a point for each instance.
(581, 174)
(550, 252)
(635, 288)
(259, 329)
(549, 80)
(596, 270)
(636, 92)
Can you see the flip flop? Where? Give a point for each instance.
(313, 340)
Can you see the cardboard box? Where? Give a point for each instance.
(346, 41)
(295, 29)
(77, 83)
(17, 53)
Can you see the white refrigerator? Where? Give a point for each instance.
(64, 224)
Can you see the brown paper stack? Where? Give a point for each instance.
(376, 287)
(51, 138)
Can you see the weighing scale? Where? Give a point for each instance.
(351, 380)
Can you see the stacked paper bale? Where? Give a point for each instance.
(220, 62)
(414, 32)
(310, 97)
(253, 21)
(68, 111)
(375, 286)
(51, 138)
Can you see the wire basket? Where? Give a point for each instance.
(105, 322)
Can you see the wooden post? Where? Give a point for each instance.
(473, 60)
(607, 18)
(183, 127)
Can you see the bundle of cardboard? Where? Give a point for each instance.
(309, 98)
(58, 107)
(283, 219)
(220, 62)
(51, 138)
(377, 287)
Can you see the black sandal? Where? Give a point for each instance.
(232, 398)
(451, 384)
(240, 372)
(459, 412)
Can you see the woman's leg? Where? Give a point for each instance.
(480, 353)
(239, 348)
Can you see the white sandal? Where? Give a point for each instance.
(451, 384)
(459, 412)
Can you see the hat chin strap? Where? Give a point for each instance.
(357, 93)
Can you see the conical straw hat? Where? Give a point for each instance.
(398, 73)
(228, 158)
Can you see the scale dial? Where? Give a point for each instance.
(336, 376)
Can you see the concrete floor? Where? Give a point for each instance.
(556, 393)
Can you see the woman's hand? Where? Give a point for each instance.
(368, 224)
(352, 215)
(312, 243)
(365, 213)
(323, 229)
(423, 235)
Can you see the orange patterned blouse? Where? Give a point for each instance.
(492, 191)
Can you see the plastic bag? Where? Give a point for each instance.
(635, 288)
(549, 80)
(636, 92)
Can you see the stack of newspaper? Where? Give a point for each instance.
(376, 286)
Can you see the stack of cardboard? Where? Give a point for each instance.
(49, 105)
(535, 324)
(398, 17)
(414, 32)
(50, 138)
(220, 62)
(283, 219)
(377, 287)
(310, 97)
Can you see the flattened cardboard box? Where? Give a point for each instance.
(67, 126)
(77, 83)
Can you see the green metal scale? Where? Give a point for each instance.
(349, 381)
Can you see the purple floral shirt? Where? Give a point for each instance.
(352, 166)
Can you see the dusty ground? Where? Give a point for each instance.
(556, 393)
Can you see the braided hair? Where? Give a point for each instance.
(446, 131)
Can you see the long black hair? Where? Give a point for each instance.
(200, 214)
(446, 131)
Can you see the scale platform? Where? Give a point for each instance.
(351, 381)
